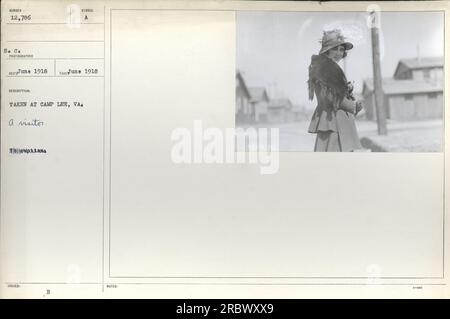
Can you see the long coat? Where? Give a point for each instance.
(326, 119)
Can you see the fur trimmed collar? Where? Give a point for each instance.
(326, 73)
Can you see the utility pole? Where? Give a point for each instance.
(418, 53)
(377, 80)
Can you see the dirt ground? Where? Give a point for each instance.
(403, 136)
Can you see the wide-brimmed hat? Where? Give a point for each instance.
(332, 39)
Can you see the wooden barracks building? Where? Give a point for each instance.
(415, 91)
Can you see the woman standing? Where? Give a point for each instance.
(334, 118)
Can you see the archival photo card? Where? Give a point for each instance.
(224, 149)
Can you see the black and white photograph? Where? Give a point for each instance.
(342, 81)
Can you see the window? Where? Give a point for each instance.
(432, 95)
(408, 97)
(426, 74)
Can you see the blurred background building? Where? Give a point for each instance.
(415, 91)
(255, 106)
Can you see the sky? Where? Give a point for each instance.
(274, 48)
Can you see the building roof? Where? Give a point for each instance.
(392, 86)
(424, 62)
(282, 102)
(240, 76)
(258, 94)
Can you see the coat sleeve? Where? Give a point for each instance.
(348, 105)
(345, 104)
